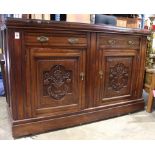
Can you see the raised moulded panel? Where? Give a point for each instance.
(57, 88)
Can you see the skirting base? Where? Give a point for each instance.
(44, 125)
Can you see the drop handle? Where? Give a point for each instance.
(101, 74)
(130, 42)
(111, 42)
(82, 75)
(73, 40)
(42, 39)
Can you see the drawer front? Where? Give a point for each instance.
(114, 41)
(56, 39)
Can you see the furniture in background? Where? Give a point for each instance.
(105, 19)
(62, 74)
(149, 86)
(129, 22)
(121, 20)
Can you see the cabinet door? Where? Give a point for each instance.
(56, 80)
(118, 75)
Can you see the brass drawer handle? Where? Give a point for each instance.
(42, 39)
(112, 42)
(82, 76)
(130, 42)
(73, 40)
(101, 74)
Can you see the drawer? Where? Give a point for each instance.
(113, 41)
(55, 39)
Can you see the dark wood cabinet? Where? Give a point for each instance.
(62, 74)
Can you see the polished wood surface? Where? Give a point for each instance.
(62, 74)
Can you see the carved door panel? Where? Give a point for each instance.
(58, 80)
(118, 75)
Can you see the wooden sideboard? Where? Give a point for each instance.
(62, 74)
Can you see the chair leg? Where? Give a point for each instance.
(149, 102)
(150, 97)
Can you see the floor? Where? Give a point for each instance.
(139, 125)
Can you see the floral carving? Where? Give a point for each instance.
(57, 81)
(118, 76)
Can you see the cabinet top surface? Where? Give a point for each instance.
(61, 25)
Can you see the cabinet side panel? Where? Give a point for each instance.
(9, 73)
(16, 80)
